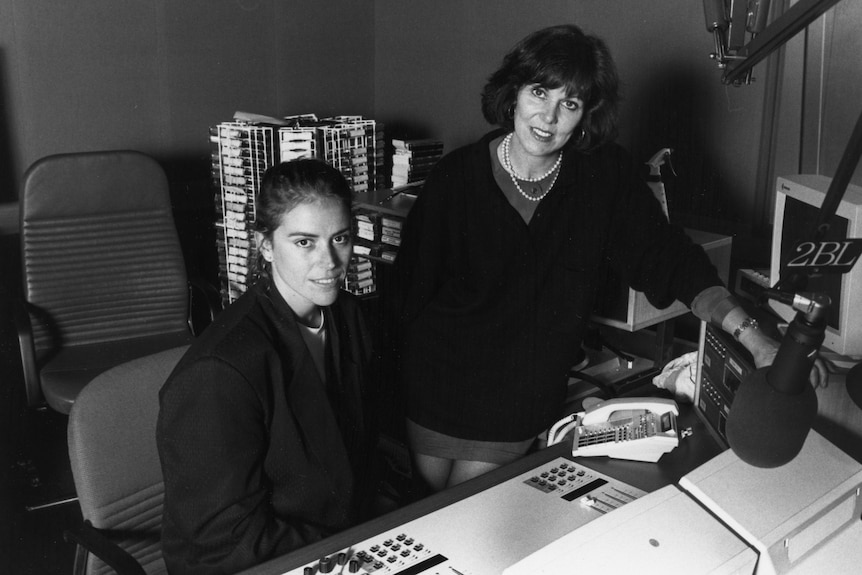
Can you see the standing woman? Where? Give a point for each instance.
(503, 250)
(262, 434)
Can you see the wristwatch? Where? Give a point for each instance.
(748, 322)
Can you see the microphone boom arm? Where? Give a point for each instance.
(739, 63)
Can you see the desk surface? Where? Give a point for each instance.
(692, 452)
(838, 418)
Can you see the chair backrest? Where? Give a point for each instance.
(115, 461)
(100, 251)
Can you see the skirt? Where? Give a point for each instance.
(429, 442)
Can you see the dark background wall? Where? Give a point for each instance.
(153, 76)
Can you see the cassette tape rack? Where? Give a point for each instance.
(241, 153)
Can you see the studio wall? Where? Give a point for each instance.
(153, 76)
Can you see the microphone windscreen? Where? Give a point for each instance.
(765, 427)
(854, 384)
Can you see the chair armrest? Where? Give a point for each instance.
(24, 328)
(204, 304)
(94, 542)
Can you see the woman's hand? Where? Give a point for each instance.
(764, 349)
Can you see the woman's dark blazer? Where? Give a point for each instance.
(259, 455)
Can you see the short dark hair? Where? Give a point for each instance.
(555, 57)
(288, 184)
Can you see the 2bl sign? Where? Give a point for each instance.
(826, 256)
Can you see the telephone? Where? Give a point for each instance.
(639, 429)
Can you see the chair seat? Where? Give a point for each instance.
(65, 373)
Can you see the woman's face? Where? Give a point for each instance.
(545, 118)
(309, 252)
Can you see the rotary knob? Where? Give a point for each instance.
(326, 565)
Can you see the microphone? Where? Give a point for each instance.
(774, 407)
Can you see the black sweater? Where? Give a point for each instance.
(494, 310)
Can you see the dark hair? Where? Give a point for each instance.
(559, 56)
(288, 184)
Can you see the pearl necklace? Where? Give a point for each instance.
(507, 163)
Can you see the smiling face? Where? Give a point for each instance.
(544, 119)
(309, 252)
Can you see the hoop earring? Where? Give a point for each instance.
(582, 135)
(510, 113)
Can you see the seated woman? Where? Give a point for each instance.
(263, 435)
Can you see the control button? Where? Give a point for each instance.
(342, 558)
(353, 566)
(308, 571)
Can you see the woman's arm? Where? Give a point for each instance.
(421, 264)
(212, 444)
(719, 306)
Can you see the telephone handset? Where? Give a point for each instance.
(640, 429)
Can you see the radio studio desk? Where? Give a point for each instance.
(502, 522)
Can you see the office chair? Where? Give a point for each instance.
(104, 280)
(115, 465)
